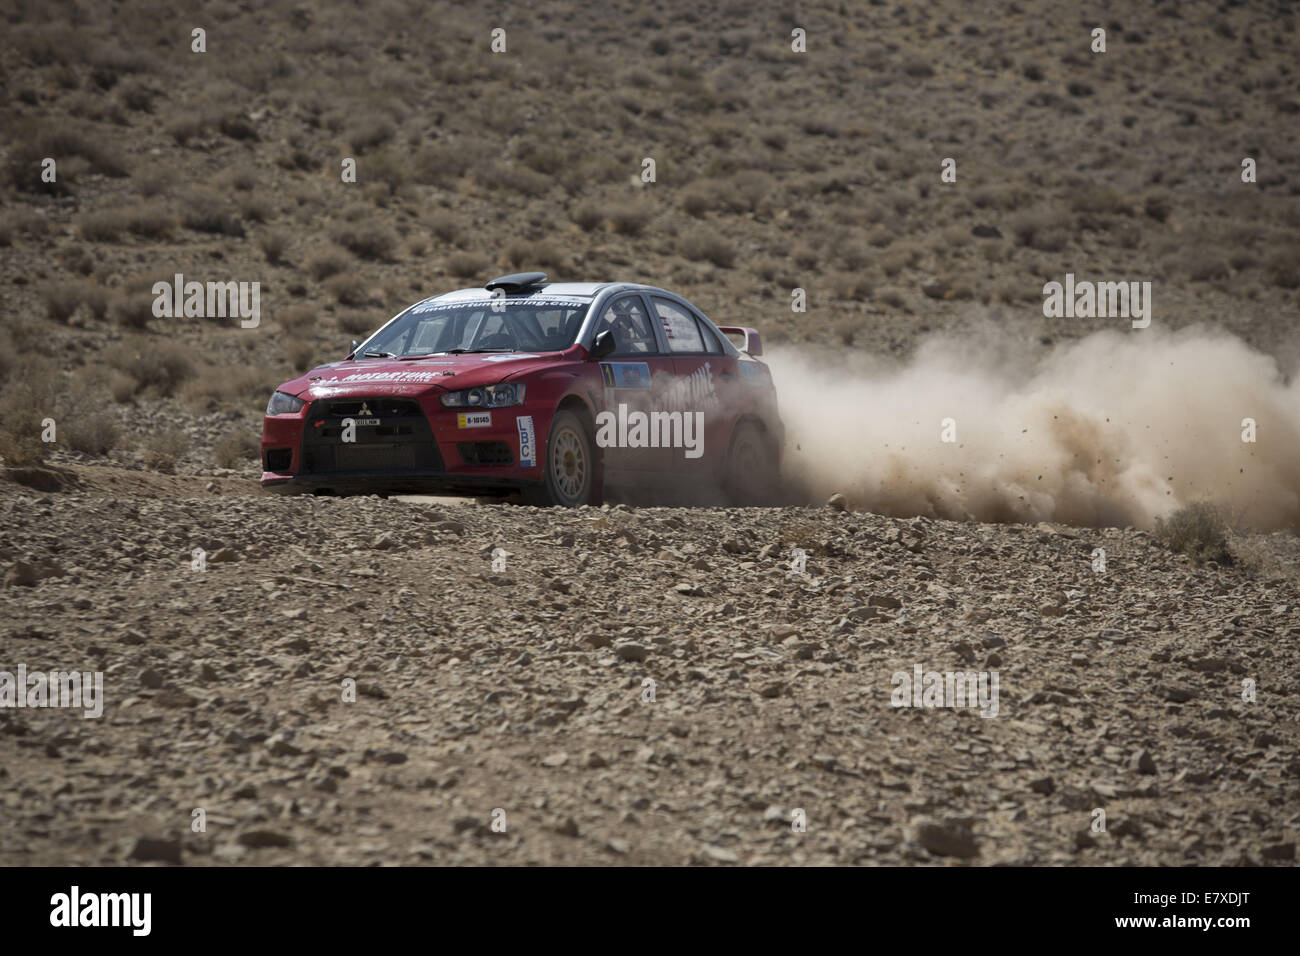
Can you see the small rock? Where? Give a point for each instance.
(720, 854)
(1178, 693)
(631, 652)
(837, 502)
(946, 838)
(281, 747)
(1279, 851)
(1142, 762)
(1043, 785)
(22, 574)
(161, 849)
(261, 839)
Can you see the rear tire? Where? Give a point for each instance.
(570, 465)
(751, 474)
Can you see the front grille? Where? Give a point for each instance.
(485, 453)
(367, 407)
(401, 441)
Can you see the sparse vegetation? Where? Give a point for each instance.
(710, 248)
(1198, 530)
(367, 241)
(162, 449)
(158, 367)
(467, 265)
(274, 244)
(236, 447)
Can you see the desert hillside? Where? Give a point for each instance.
(774, 170)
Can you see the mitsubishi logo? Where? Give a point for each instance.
(365, 410)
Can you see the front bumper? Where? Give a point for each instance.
(401, 444)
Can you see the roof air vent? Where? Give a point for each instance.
(517, 282)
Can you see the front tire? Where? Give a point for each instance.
(570, 465)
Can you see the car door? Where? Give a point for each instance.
(635, 377)
(705, 386)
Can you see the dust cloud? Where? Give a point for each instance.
(1114, 429)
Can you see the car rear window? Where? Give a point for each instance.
(679, 326)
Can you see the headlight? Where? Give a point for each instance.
(282, 404)
(487, 396)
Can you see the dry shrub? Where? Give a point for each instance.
(355, 323)
(55, 137)
(245, 386)
(157, 367)
(467, 265)
(328, 261)
(236, 447)
(367, 240)
(296, 319)
(348, 289)
(25, 402)
(444, 226)
(588, 216)
(209, 212)
(710, 248)
(163, 449)
(1198, 530)
(274, 244)
(629, 219)
(146, 220)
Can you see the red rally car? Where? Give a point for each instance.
(553, 390)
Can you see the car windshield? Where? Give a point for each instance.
(534, 324)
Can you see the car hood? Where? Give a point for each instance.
(439, 373)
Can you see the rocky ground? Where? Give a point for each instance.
(519, 695)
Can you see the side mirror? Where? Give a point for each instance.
(353, 350)
(604, 345)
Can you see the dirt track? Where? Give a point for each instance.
(521, 690)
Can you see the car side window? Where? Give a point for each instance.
(679, 326)
(626, 318)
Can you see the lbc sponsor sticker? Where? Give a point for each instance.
(474, 419)
(527, 443)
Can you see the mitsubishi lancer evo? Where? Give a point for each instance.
(553, 391)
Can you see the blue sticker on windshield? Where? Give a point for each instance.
(625, 374)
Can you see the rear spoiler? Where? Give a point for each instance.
(753, 341)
